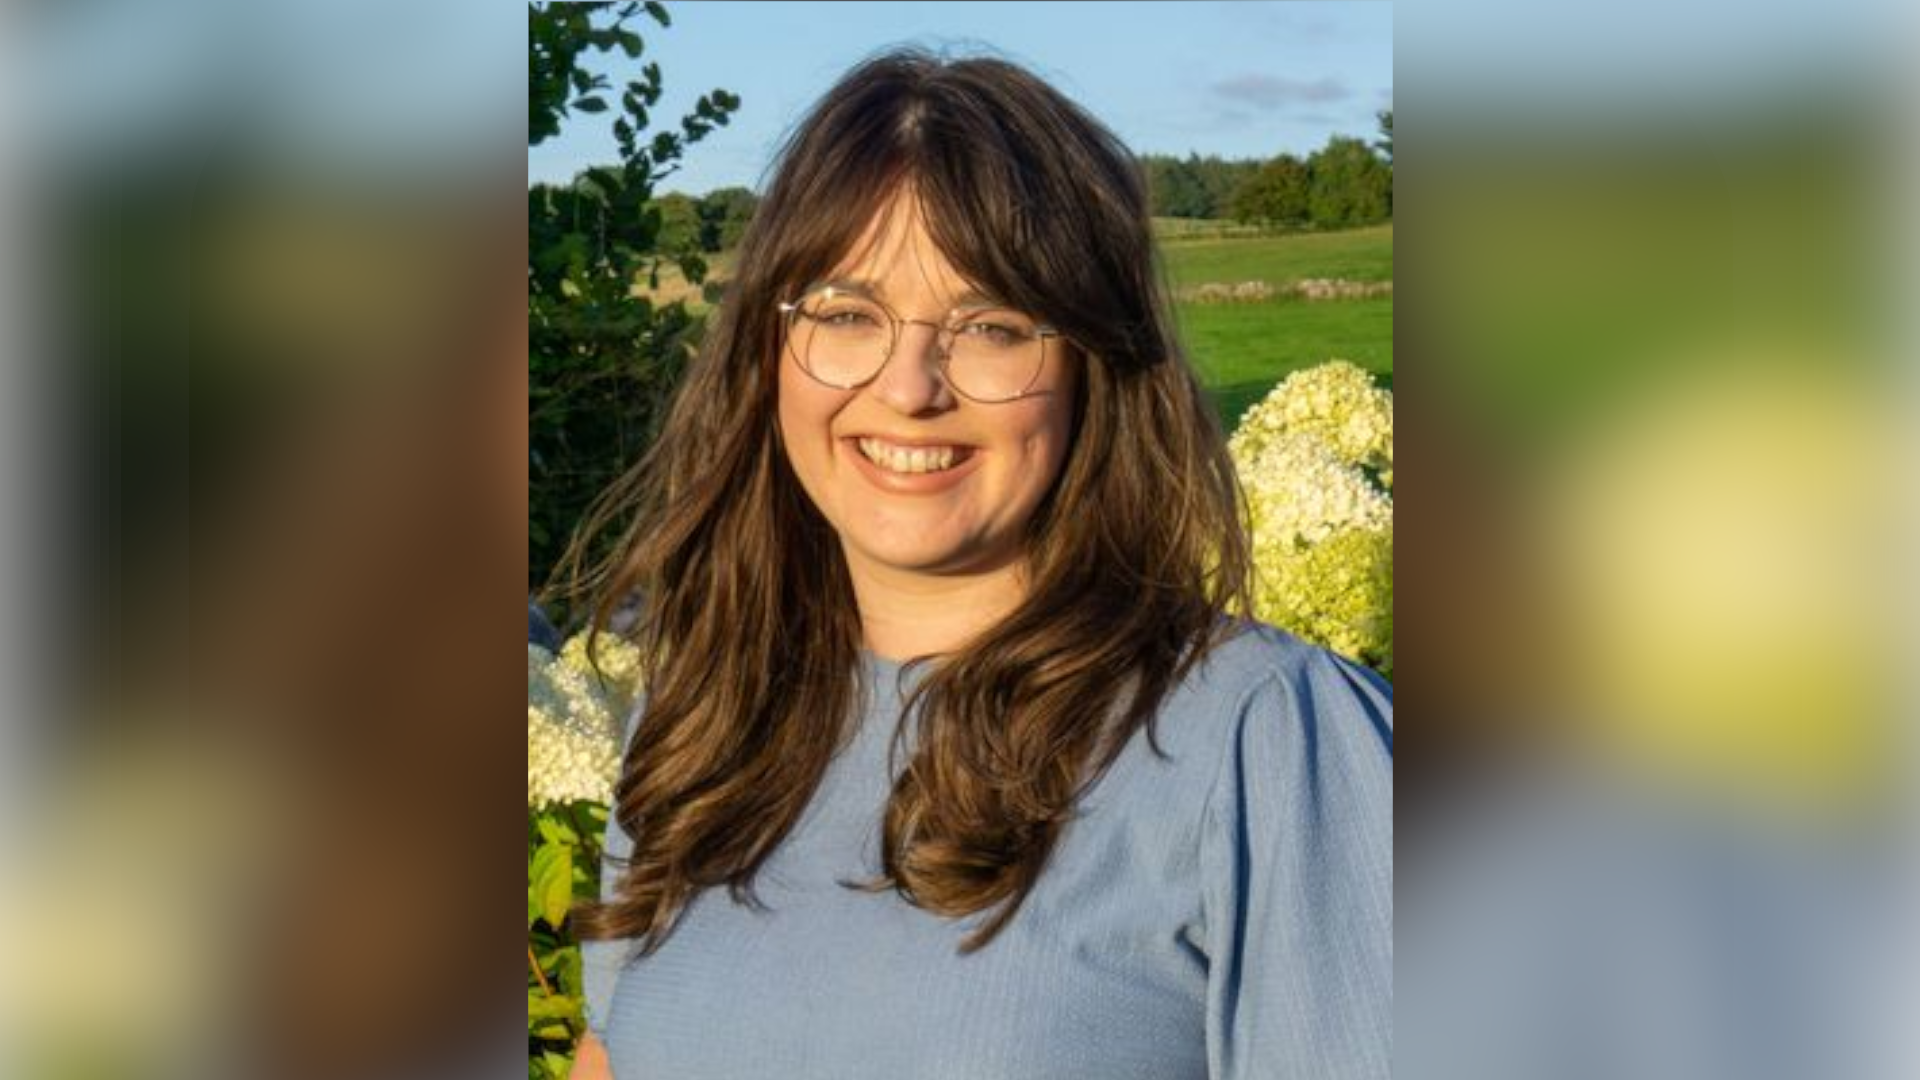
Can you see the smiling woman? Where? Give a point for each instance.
(928, 488)
(937, 548)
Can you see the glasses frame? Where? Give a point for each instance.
(943, 334)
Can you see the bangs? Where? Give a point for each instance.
(854, 219)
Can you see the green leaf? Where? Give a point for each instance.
(550, 1006)
(554, 831)
(567, 968)
(552, 874)
(590, 104)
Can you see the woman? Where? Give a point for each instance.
(938, 543)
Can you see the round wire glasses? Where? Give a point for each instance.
(842, 338)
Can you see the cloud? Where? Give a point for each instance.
(1271, 92)
(1282, 19)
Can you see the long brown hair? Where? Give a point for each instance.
(750, 636)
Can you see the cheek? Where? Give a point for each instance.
(791, 414)
(803, 419)
(1052, 434)
(1045, 443)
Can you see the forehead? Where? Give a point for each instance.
(895, 258)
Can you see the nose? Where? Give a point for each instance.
(910, 381)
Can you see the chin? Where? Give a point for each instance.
(913, 561)
(913, 551)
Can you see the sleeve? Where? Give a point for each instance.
(1297, 857)
(601, 961)
(541, 631)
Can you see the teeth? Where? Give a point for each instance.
(903, 460)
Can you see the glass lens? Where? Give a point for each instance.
(995, 354)
(842, 338)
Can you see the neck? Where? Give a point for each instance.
(905, 614)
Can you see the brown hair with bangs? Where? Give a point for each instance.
(750, 636)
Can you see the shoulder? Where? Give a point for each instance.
(1262, 674)
(1264, 712)
(540, 630)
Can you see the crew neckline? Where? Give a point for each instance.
(880, 663)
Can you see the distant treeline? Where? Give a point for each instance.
(1347, 182)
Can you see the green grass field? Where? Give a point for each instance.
(1242, 350)
(1357, 255)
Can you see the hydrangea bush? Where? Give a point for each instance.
(1315, 459)
(576, 705)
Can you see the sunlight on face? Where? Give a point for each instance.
(916, 479)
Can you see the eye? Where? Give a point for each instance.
(844, 316)
(847, 318)
(999, 330)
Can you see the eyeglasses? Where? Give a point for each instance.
(842, 338)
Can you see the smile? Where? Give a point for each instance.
(911, 460)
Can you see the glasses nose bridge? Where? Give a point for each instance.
(940, 340)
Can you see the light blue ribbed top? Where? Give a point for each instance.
(1222, 913)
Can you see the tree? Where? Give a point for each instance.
(1194, 186)
(680, 224)
(1348, 185)
(724, 214)
(1174, 188)
(1275, 195)
(601, 360)
(1220, 179)
(1385, 143)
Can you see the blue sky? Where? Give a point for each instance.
(1241, 79)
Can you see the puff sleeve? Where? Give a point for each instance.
(1297, 862)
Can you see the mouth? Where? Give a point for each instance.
(912, 460)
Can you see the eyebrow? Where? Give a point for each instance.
(873, 289)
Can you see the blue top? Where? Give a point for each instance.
(1222, 913)
(540, 631)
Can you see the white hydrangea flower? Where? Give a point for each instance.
(1300, 492)
(1313, 458)
(574, 720)
(1335, 402)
